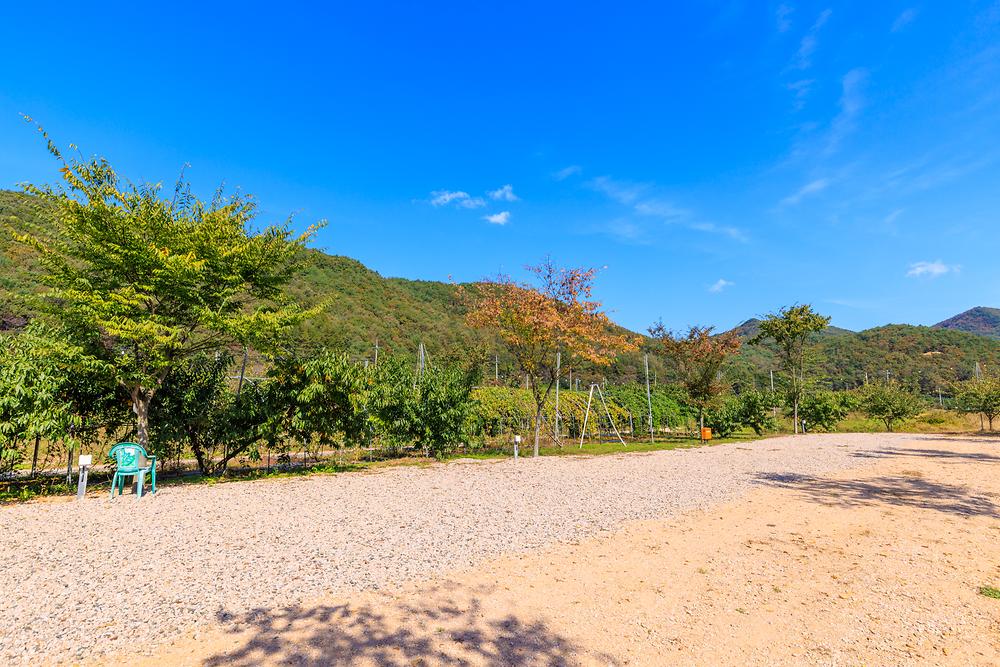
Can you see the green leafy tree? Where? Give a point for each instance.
(890, 402)
(790, 329)
(756, 410)
(198, 410)
(724, 416)
(824, 409)
(979, 396)
(317, 401)
(50, 390)
(146, 282)
(698, 358)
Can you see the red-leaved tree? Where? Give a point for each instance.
(556, 314)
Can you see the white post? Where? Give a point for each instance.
(649, 399)
(558, 377)
(610, 418)
(81, 485)
(586, 415)
(774, 408)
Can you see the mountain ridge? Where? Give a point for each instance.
(980, 320)
(398, 314)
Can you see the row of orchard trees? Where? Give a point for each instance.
(146, 296)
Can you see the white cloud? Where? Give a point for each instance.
(801, 89)
(720, 285)
(807, 46)
(904, 19)
(933, 269)
(566, 172)
(506, 193)
(660, 208)
(457, 197)
(621, 192)
(891, 218)
(735, 233)
(851, 102)
(810, 188)
(782, 17)
(637, 197)
(501, 218)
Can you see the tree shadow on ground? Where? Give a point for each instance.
(905, 491)
(435, 631)
(971, 457)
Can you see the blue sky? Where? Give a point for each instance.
(721, 159)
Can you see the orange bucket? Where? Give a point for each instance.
(706, 433)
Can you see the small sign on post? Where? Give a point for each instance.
(81, 485)
(517, 444)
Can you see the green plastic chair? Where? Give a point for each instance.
(131, 460)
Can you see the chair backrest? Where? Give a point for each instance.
(128, 456)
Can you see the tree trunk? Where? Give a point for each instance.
(795, 410)
(538, 428)
(141, 398)
(701, 425)
(34, 456)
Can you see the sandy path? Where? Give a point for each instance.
(78, 585)
(878, 565)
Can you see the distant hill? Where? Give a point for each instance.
(981, 321)
(400, 314)
(750, 328)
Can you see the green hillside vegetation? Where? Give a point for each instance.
(926, 357)
(981, 321)
(366, 307)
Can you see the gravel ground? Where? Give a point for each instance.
(84, 579)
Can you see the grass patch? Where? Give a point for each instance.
(990, 592)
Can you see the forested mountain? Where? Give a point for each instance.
(981, 321)
(365, 307)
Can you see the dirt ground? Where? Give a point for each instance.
(879, 565)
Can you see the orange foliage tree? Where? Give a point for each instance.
(698, 357)
(557, 314)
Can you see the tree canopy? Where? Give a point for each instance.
(145, 282)
(698, 357)
(790, 329)
(557, 315)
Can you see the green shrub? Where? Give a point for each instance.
(823, 410)
(756, 410)
(726, 417)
